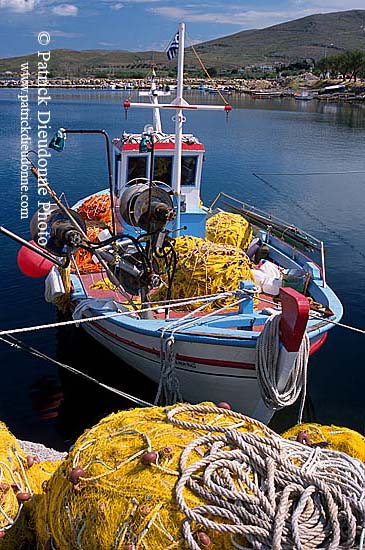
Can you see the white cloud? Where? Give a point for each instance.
(63, 34)
(19, 6)
(326, 6)
(234, 14)
(117, 7)
(66, 10)
(107, 44)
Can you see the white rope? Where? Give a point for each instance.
(168, 391)
(21, 346)
(213, 297)
(165, 305)
(265, 491)
(169, 388)
(266, 364)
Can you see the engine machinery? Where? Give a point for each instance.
(133, 258)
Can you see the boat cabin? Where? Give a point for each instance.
(132, 167)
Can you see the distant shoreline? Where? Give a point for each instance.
(258, 89)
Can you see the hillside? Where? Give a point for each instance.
(308, 37)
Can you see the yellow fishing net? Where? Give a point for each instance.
(116, 487)
(109, 493)
(22, 480)
(333, 437)
(205, 268)
(230, 229)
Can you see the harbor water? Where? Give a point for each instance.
(309, 157)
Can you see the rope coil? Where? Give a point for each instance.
(267, 358)
(267, 492)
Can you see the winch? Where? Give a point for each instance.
(55, 230)
(147, 206)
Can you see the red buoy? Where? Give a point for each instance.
(32, 264)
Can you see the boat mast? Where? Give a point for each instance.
(154, 99)
(178, 105)
(179, 121)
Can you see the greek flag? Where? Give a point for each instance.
(173, 47)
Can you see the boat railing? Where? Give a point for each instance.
(273, 225)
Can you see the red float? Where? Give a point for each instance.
(32, 264)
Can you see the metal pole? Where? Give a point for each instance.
(109, 162)
(179, 126)
(32, 247)
(323, 265)
(109, 272)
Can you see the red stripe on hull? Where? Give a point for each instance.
(315, 347)
(210, 362)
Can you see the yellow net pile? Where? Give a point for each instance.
(229, 229)
(332, 437)
(116, 487)
(205, 268)
(22, 480)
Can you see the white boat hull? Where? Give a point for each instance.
(205, 372)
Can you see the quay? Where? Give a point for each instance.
(257, 88)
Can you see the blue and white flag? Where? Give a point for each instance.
(173, 47)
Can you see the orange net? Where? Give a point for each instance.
(97, 208)
(83, 258)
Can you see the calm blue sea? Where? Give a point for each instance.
(312, 155)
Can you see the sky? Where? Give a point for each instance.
(138, 25)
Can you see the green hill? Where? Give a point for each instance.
(309, 37)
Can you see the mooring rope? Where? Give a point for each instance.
(167, 305)
(169, 387)
(267, 492)
(266, 365)
(170, 305)
(22, 346)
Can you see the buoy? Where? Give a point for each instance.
(203, 539)
(23, 497)
(32, 264)
(75, 475)
(149, 458)
(304, 438)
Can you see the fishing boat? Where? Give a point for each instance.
(303, 96)
(134, 249)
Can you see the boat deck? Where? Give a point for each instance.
(89, 281)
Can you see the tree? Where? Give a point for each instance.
(350, 62)
(355, 61)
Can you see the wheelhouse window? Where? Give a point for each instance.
(188, 170)
(137, 167)
(163, 169)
